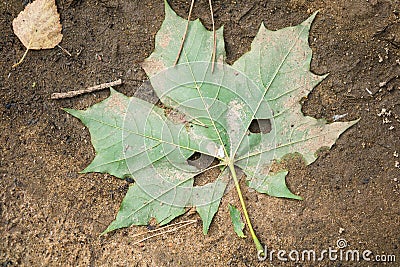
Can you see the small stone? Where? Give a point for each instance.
(365, 180)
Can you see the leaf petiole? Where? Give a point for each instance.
(245, 213)
(23, 57)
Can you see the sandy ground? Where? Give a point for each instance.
(52, 216)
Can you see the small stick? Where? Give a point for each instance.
(64, 50)
(87, 90)
(167, 226)
(184, 35)
(168, 231)
(214, 52)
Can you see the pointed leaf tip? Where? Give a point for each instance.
(168, 10)
(73, 112)
(310, 19)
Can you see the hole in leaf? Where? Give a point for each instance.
(129, 180)
(201, 161)
(260, 126)
(195, 156)
(204, 163)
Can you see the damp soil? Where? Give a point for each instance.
(52, 215)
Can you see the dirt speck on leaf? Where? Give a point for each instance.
(153, 66)
(117, 103)
(164, 40)
(235, 115)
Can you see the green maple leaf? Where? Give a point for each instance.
(214, 109)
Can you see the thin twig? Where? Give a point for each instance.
(87, 90)
(64, 50)
(214, 52)
(168, 231)
(167, 226)
(184, 35)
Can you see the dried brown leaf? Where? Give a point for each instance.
(38, 26)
